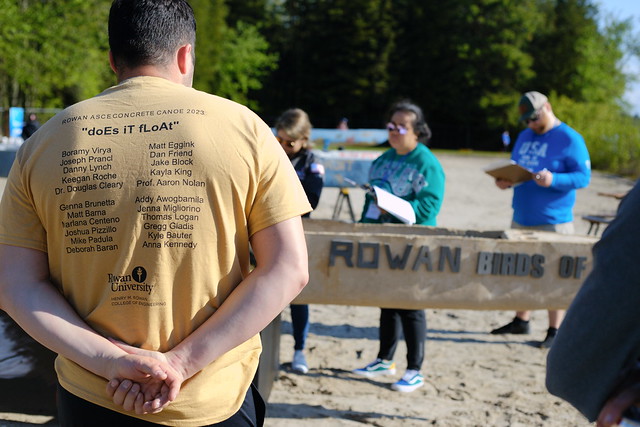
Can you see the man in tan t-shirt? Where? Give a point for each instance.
(125, 228)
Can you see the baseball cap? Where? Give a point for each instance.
(530, 103)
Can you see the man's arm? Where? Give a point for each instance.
(577, 172)
(281, 273)
(599, 339)
(626, 395)
(29, 297)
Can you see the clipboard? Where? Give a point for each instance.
(509, 170)
(396, 206)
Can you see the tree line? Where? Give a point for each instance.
(466, 62)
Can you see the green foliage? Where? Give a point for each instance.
(253, 12)
(244, 62)
(230, 61)
(13, 32)
(477, 70)
(51, 51)
(210, 27)
(334, 59)
(612, 137)
(84, 47)
(466, 62)
(620, 45)
(573, 57)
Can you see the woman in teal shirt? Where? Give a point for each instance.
(408, 170)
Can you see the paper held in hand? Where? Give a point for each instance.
(509, 170)
(396, 206)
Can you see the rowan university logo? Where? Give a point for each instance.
(139, 274)
(135, 281)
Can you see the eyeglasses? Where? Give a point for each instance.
(287, 142)
(534, 118)
(393, 127)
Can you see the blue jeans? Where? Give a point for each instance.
(300, 324)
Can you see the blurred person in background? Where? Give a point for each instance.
(558, 156)
(293, 131)
(31, 126)
(410, 171)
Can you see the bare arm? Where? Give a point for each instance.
(29, 297)
(280, 274)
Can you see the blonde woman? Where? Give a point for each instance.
(293, 132)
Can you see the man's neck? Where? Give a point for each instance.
(551, 123)
(152, 71)
(179, 70)
(143, 70)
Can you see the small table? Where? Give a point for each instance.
(595, 221)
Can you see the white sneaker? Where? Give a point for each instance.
(377, 368)
(409, 382)
(299, 363)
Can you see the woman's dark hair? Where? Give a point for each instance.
(420, 126)
(148, 32)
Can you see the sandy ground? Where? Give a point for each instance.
(472, 378)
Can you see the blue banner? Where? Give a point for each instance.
(350, 164)
(16, 122)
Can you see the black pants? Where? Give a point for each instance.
(300, 324)
(414, 327)
(76, 412)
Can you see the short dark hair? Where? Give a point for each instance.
(148, 32)
(420, 126)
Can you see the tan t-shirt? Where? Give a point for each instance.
(144, 199)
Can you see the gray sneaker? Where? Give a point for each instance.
(299, 363)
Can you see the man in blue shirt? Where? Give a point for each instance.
(560, 161)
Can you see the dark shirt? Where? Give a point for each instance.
(599, 340)
(311, 176)
(29, 129)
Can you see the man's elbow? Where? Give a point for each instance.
(565, 380)
(584, 182)
(559, 371)
(551, 383)
(3, 297)
(6, 289)
(301, 275)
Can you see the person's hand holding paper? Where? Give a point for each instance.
(508, 173)
(394, 205)
(503, 184)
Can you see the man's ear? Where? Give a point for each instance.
(112, 63)
(185, 59)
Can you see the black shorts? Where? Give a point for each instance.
(76, 412)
